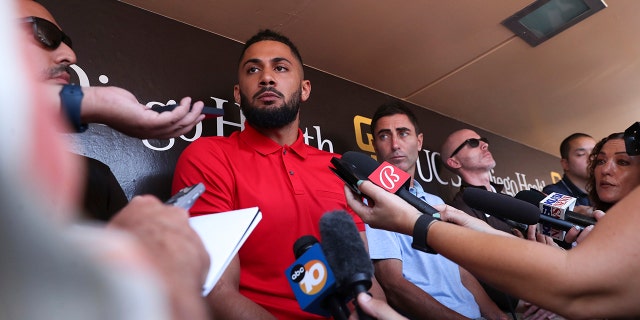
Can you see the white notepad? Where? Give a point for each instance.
(223, 234)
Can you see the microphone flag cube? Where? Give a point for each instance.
(555, 205)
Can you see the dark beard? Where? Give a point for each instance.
(271, 118)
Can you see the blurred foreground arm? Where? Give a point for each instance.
(174, 248)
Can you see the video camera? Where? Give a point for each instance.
(632, 139)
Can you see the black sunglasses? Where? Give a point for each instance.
(47, 33)
(473, 143)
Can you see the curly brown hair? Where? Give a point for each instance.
(591, 182)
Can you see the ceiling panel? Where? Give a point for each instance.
(454, 57)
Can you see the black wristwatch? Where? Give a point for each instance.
(420, 230)
(71, 101)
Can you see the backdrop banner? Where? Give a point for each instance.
(161, 60)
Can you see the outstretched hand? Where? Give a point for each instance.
(119, 109)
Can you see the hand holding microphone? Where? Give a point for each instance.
(359, 166)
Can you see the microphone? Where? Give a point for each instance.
(347, 255)
(504, 206)
(312, 281)
(535, 197)
(386, 176)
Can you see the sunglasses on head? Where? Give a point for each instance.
(47, 33)
(473, 143)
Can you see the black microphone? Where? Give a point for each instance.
(326, 298)
(505, 206)
(346, 254)
(363, 166)
(535, 197)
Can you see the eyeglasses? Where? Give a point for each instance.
(473, 143)
(47, 33)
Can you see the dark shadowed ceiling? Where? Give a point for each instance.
(455, 58)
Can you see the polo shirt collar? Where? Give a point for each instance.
(264, 145)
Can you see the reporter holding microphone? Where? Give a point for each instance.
(597, 279)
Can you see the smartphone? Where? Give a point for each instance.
(186, 197)
(209, 112)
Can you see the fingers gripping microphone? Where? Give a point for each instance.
(346, 255)
(386, 176)
(312, 280)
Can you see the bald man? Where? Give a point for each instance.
(467, 154)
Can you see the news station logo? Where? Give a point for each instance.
(555, 205)
(311, 276)
(389, 177)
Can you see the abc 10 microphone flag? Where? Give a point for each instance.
(311, 280)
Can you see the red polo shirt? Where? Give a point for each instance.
(291, 185)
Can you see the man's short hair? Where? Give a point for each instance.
(270, 35)
(391, 108)
(565, 146)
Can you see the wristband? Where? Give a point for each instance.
(71, 100)
(420, 230)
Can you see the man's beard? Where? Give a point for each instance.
(271, 117)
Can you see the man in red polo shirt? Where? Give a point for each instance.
(267, 165)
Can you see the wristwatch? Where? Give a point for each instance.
(71, 101)
(420, 230)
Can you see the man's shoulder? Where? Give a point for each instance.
(320, 153)
(212, 143)
(555, 187)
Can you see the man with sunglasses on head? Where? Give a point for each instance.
(467, 154)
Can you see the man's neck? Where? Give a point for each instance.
(286, 135)
(577, 181)
(477, 178)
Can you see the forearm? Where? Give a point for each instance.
(187, 303)
(406, 297)
(417, 304)
(488, 308)
(231, 304)
(226, 301)
(535, 272)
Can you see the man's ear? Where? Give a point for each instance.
(306, 90)
(236, 93)
(420, 138)
(453, 163)
(565, 164)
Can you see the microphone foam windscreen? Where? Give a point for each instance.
(343, 247)
(501, 205)
(302, 244)
(363, 164)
